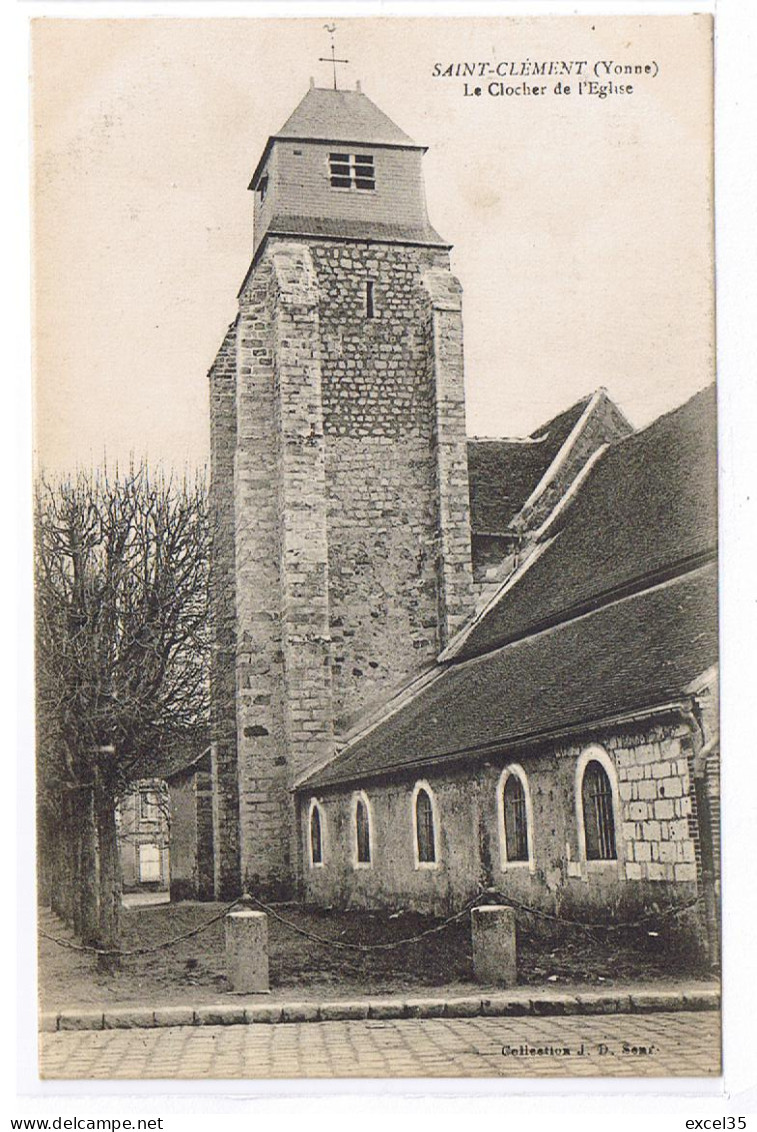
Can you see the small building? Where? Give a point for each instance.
(165, 829)
(143, 824)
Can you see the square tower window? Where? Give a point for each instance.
(352, 171)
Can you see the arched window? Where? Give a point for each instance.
(598, 813)
(515, 818)
(425, 826)
(362, 831)
(516, 822)
(316, 834)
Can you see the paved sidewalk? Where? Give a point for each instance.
(516, 1001)
(679, 1044)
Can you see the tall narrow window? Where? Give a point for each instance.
(599, 820)
(362, 832)
(369, 312)
(516, 819)
(316, 835)
(424, 828)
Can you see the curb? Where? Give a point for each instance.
(494, 1006)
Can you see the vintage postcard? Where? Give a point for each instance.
(376, 559)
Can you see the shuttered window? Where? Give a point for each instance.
(352, 171)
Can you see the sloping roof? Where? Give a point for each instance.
(503, 473)
(647, 507)
(342, 115)
(178, 754)
(637, 653)
(326, 115)
(286, 225)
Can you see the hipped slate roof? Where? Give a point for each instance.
(646, 508)
(503, 473)
(637, 653)
(617, 615)
(342, 115)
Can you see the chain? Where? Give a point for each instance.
(392, 945)
(366, 947)
(610, 926)
(142, 950)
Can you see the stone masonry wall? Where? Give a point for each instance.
(656, 795)
(351, 508)
(223, 440)
(205, 844)
(445, 338)
(655, 842)
(391, 578)
(261, 729)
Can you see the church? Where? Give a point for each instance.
(441, 662)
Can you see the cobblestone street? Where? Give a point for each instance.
(675, 1044)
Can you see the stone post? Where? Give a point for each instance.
(247, 951)
(494, 954)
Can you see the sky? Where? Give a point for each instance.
(581, 226)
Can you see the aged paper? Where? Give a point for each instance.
(439, 392)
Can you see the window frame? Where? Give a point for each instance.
(155, 792)
(599, 755)
(353, 160)
(422, 785)
(141, 847)
(359, 797)
(315, 805)
(517, 771)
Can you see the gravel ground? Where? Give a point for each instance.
(193, 970)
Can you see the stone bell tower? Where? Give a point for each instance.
(339, 470)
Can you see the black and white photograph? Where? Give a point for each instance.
(376, 548)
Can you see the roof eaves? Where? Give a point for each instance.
(524, 742)
(703, 681)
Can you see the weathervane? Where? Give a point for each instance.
(331, 28)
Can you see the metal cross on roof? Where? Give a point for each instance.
(331, 28)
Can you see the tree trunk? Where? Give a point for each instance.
(109, 872)
(76, 834)
(65, 886)
(87, 895)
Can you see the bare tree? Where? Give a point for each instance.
(122, 645)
